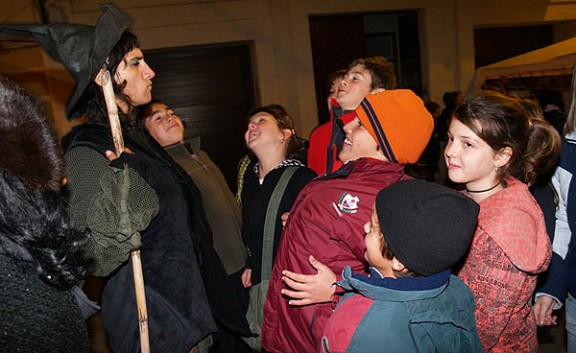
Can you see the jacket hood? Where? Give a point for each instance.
(517, 227)
(395, 289)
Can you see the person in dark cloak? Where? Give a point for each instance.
(40, 253)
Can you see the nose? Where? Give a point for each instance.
(343, 83)
(450, 149)
(348, 127)
(148, 72)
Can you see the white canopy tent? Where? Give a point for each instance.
(553, 60)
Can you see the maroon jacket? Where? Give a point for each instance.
(327, 221)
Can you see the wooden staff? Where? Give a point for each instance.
(135, 254)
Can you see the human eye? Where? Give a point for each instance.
(467, 144)
(135, 61)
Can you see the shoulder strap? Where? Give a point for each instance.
(270, 222)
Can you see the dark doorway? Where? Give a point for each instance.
(337, 40)
(212, 88)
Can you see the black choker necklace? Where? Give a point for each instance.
(481, 191)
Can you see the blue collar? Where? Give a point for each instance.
(405, 283)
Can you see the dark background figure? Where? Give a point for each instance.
(451, 101)
(553, 106)
(560, 287)
(40, 253)
(427, 166)
(320, 136)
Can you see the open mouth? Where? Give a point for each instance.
(252, 136)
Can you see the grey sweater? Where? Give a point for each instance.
(222, 211)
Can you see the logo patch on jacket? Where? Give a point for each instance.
(348, 203)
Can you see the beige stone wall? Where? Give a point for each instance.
(280, 33)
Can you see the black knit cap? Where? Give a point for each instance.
(82, 49)
(428, 227)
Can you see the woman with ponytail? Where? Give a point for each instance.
(491, 150)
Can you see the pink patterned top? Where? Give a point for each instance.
(509, 249)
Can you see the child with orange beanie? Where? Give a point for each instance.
(391, 128)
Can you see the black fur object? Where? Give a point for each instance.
(28, 148)
(34, 224)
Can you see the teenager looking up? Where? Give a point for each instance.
(272, 138)
(222, 211)
(363, 76)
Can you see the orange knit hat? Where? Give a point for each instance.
(398, 122)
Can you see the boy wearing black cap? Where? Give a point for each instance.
(410, 302)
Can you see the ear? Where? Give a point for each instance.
(377, 90)
(503, 156)
(287, 134)
(397, 265)
(98, 78)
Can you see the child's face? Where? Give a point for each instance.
(334, 90)
(358, 143)
(470, 159)
(263, 132)
(164, 125)
(374, 245)
(354, 87)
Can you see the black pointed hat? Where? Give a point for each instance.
(82, 49)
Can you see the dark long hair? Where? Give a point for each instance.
(92, 101)
(34, 224)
